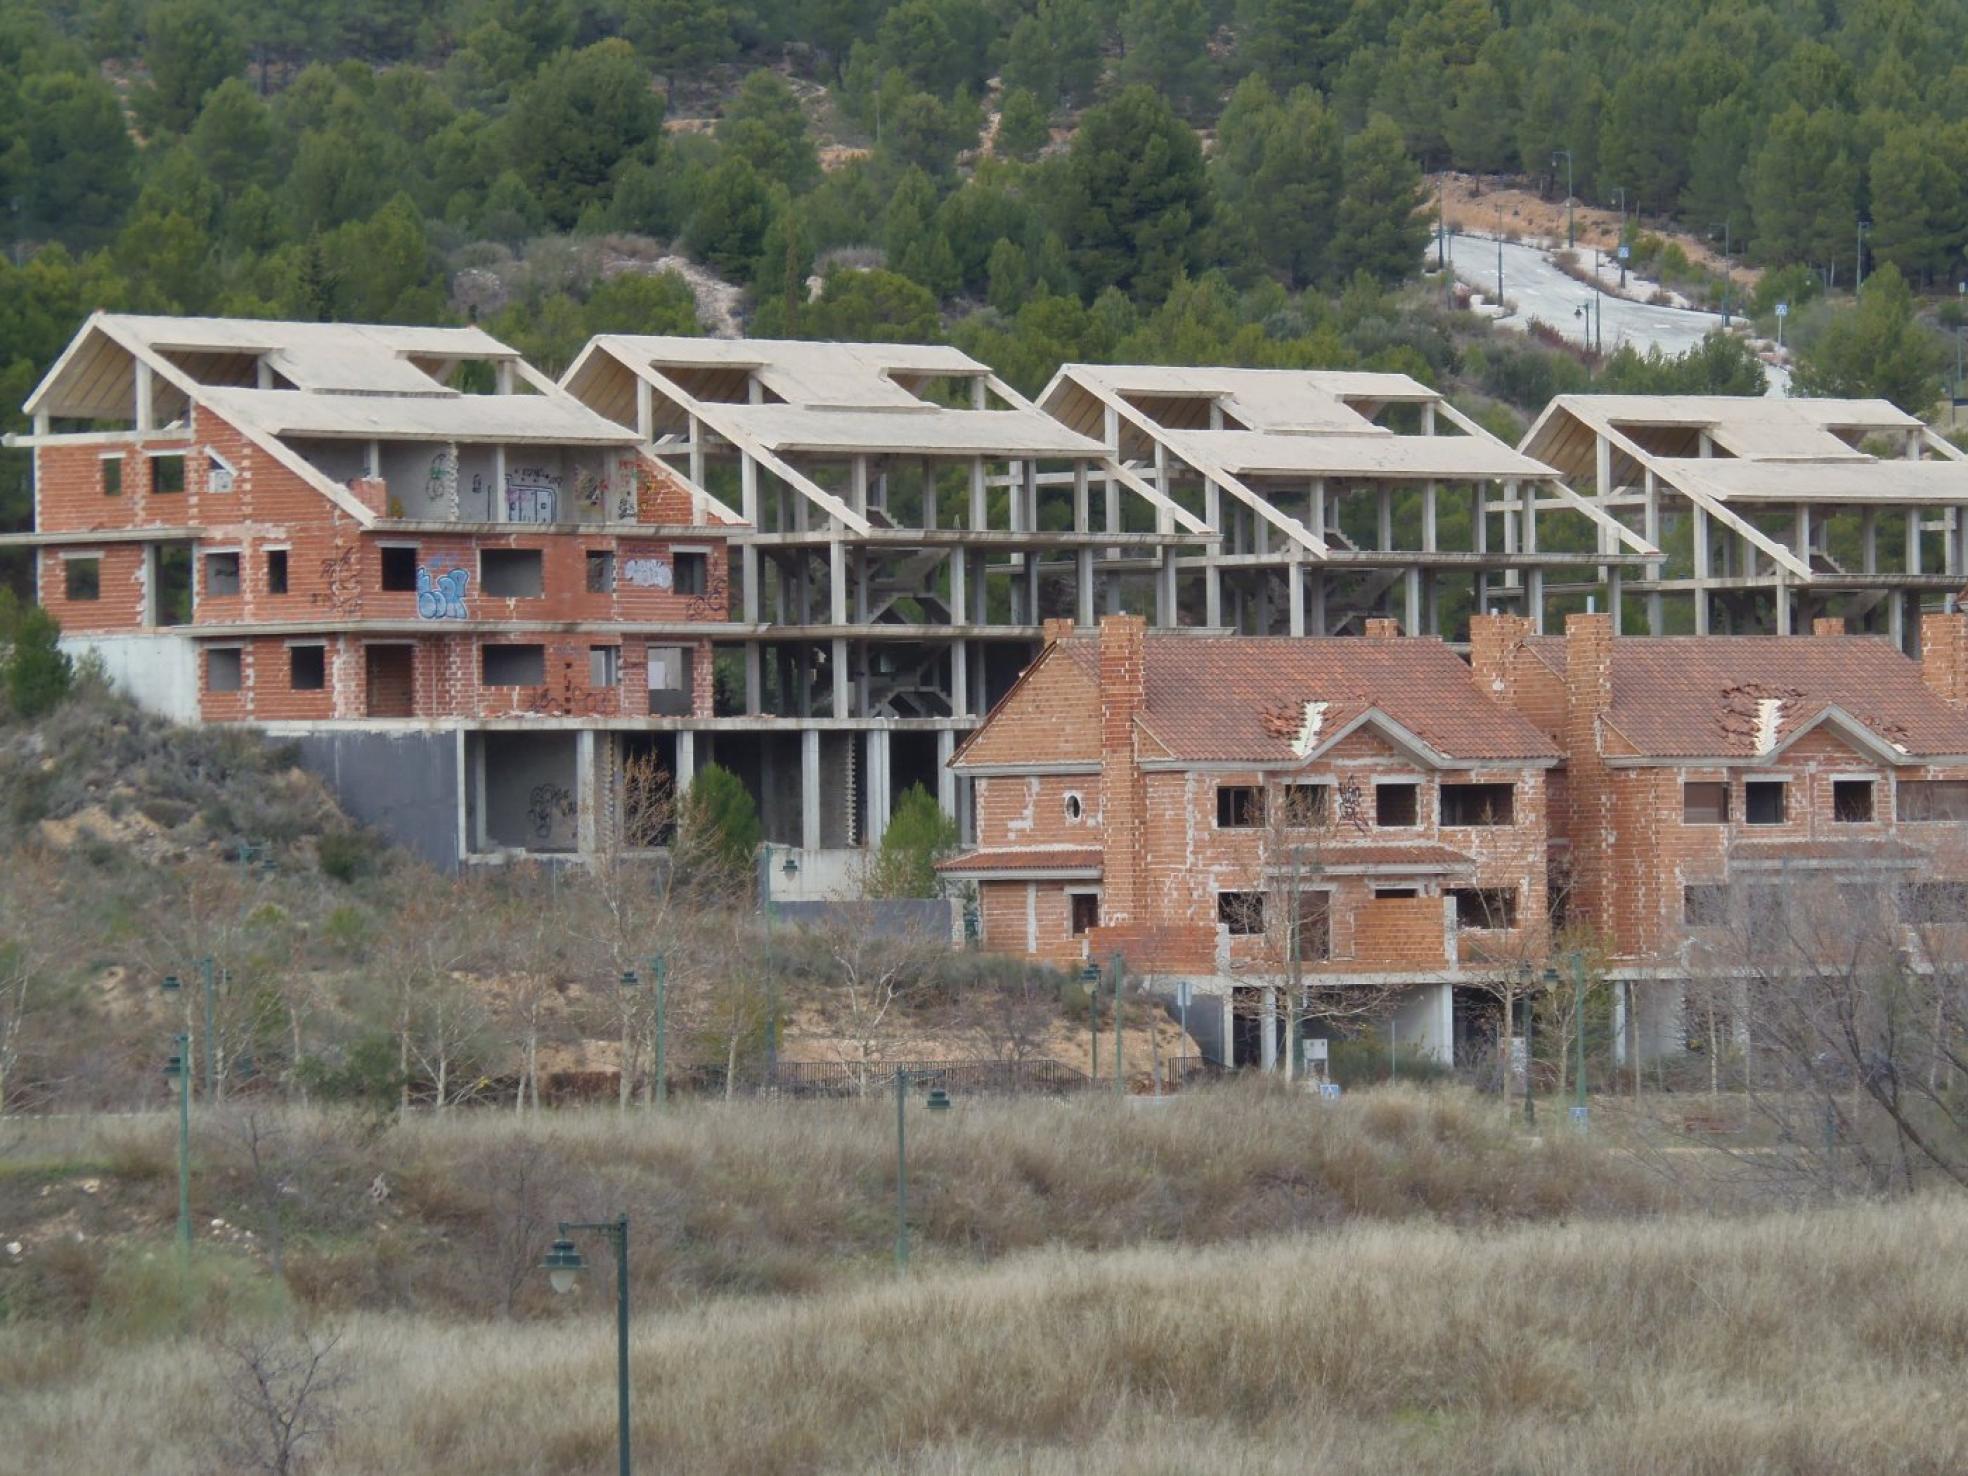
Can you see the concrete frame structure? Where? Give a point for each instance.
(912, 522)
(1332, 492)
(1773, 509)
(468, 606)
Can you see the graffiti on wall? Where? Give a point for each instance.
(1351, 803)
(648, 573)
(715, 601)
(441, 481)
(590, 491)
(532, 495)
(441, 593)
(341, 582)
(548, 807)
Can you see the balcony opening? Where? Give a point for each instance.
(1239, 807)
(1241, 912)
(399, 567)
(671, 689)
(512, 573)
(391, 680)
(1851, 801)
(1085, 911)
(1397, 806)
(1478, 804)
(601, 571)
(170, 584)
(513, 666)
(1919, 800)
(1763, 801)
(222, 574)
(1485, 907)
(276, 571)
(307, 668)
(224, 669)
(1705, 803)
(82, 578)
(693, 573)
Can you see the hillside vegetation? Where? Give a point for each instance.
(1034, 180)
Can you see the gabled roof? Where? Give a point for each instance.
(353, 380)
(1281, 422)
(837, 397)
(1761, 448)
(1748, 698)
(1276, 700)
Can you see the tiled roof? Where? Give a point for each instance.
(1703, 696)
(1033, 859)
(1235, 699)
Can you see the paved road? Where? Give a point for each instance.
(1541, 292)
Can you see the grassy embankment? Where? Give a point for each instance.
(1232, 1282)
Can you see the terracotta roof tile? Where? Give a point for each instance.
(1702, 696)
(1244, 698)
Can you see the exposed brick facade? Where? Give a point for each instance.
(269, 515)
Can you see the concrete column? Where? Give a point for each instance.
(1651, 526)
(1534, 598)
(980, 507)
(837, 587)
(960, 679)
(838, 663)
(1411, 602)
(1914, 551)
(928, 493)
(876, 771)
(1428, 537)
(498, 494)
(144, 411)
(810, 790)
(1295, 594)
(1700, 515)
(946, 778)
(1869, 539)
(1083, 586)
(1318, 595)
(686, 762)
(1212, 574)
(587, 838)
(959, 569)
(1267, 1057)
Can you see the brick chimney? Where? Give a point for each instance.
(1494, 641)
(1944, 654)
(1588, 695)
(1057, 630)
(1383, 628)
(1828, 625)
(1123, 693)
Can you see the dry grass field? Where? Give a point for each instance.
(1231, 1283)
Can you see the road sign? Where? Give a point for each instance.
(1783, 310)
(1329, 1091)
(1184, 992)
(1625, 252)
(1316, 1048)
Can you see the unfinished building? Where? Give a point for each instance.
(1340, 497)
(1770, 514)
(912, 520)
(468, 597)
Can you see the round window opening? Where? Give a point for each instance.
(1074, 809)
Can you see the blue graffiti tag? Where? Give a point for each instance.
(442, 596)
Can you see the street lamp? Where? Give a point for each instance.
(177, 1068)
(564, 1265)
(938, 1101)
(1499, 256)
(791, 869)
(1571, 230)
(1728, 279)
(1090, 980)
(1578, 1029)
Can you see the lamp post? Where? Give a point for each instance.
(1578, 1029)
(791, 869)
(938, 1101)
(1090, 980)
(1499, 256)
(1120, 979)
(210, 968)
(1571, 229)
(177, 1068)
(563, 1265)
(659, 973)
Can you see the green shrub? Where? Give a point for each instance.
(39, 673)
(347, 855)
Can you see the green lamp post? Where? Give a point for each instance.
(659, 973)
(1579, 1118)
(563, 1266)
(938, 1101)
(1090, 978)
(177, 1069)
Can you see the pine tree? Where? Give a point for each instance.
(1165, 46)
(1023, 128)
(919, 835)
(732, 213)
(717, 824)
(1878, 348)
(1914, 195)
(1135, 197)
(766, 125)
(1802, 190)
(1379, 228)
(39, 672)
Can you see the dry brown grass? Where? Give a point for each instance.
(1829, 1341)
(765, 1198)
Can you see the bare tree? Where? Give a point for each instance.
(527, 955)
(429, 940)
(278, 1158)
(283, 1390)
(878, 970)
(23, 959)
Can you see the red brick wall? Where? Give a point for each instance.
(1123, 687)
(1944, 654)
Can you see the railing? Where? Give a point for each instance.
(1190, 1071)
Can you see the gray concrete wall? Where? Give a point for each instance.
(403, 784)
(532, 787)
